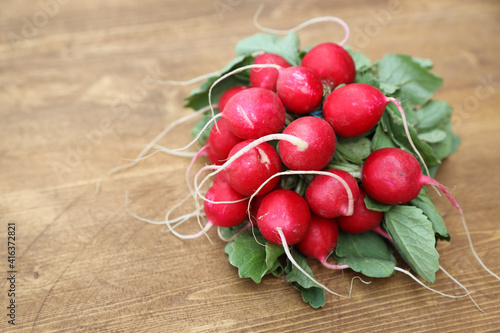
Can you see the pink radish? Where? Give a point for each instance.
(321, 240)
(221, 140)
(224, 207)
(251, 169)
(226, 96)
(362, 219)
(287, 210)
(284, 218)
(327, 197)
(213, 157)
(356, 108)
(393, 176)
(300, 89)
(254, 112)
(266, 77)
(332, 63)
(227, 214)
(321, 141)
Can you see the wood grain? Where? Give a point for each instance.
(76, 96)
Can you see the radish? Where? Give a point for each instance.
(393, 176)
(284, 219)
(328, 198)
(221, 140)
(249, 171)
(356, 108)
(362, 219)
(321, 240)
(300, 89)
(266, 77)
(287, 210)
(254, 112)
(252, 171)
(321, 141)
(224, 207)
(226, 96)
(333, 64)
(227, 214)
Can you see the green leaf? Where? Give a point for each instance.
(287, 47)
(314, 296)
(381, 139)
(199, 97)
(311, 292)
(388, 88)
(425, 63)
(415, 82)
(398, 134)
(413, 233)
(353, 169)
(455, 142)
(375, 205)
(366, 253)
(362, 62)
(448, 146)
(230, 232)
(432, 115)
(273, 252)
(295, 275)
(433, 136)
(248, 256)
(424, 202)
(368, 78)
(354, 150)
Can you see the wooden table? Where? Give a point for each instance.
(77, 96)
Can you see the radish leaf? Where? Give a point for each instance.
(413, 233)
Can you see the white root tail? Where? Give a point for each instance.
(427, 287)
(302, 25)
(289, 255)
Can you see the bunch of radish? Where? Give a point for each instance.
(319, 153)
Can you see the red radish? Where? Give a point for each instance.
(254, 112)
(266, 77)
(300, 89)
(227, 214)
(254, 208)
(321, 141)
(287, 210)
(226, 96)
(321, 240)
(284, 218)
(221, 140)
(393, 176)
(213, 157)
(263, 164)
(356, 108)
(220, 178)
(332, 63)
(362, 219)
(327, 197)
(249, 171)
(224, 207)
